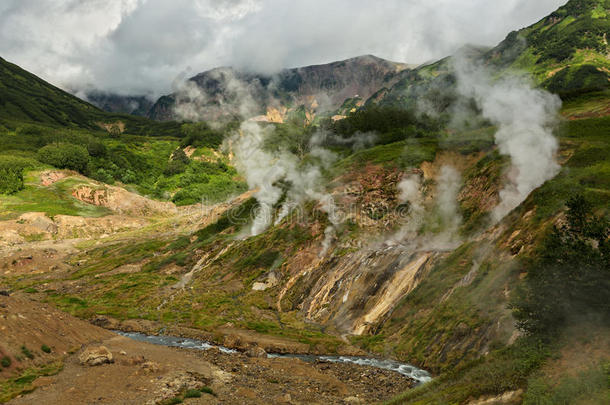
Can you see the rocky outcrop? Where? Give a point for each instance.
(96, 356)
(122, 201)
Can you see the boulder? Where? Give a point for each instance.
(95, 356)
(256, 351)
(38, 220)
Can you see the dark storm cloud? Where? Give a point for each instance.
(141, 46)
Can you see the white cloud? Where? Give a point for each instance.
(139, 46)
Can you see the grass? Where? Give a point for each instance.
(403, 154)
(502, 370)
(590, 386)
(55, 199)
(22, 384)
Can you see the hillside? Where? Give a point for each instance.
(25, 98)
(299, 93)
(565, 52)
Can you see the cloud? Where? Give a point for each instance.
(141, 46)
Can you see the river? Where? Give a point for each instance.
(417, 374)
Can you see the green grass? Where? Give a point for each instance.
(502, 370)
(403, 154)
(55, 199)
(22, 384)
(590, 386)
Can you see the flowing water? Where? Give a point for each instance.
(419, 375)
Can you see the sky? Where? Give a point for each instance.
(136, 47)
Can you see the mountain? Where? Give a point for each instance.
(135, 105)
(346, 244)
(566, 52)
(227, 92)
(24, 96)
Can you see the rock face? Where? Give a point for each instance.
(312, 89)
(96, 356)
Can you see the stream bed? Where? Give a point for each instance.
(419, 375)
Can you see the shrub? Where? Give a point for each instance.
(11, 173)
(96, 148)
(208, 390)
(569, 275)
(192, 394)
(11, 180)
(200, 135)
(174, 167)
(65, 156)
(179, 155)
(26, 352)
(45, 348)
(6, 361)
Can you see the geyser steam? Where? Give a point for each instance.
(525, 117)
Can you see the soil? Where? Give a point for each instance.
(146, 373)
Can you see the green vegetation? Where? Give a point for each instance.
(22, 384)
(26, 352)
(65, 156)
(568, 275)
(500, 371)
(45, 348)
(155, 167)
(11, 173)
(388, 124)
(5, 361)
(171, 401)
(587, 387)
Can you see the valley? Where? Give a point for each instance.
(452, 217)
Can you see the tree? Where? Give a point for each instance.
(65, 156)
(11, 174)
(570, 274)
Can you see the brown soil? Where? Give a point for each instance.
(145, 373)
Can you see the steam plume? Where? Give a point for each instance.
(525, 117)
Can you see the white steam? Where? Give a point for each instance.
(439, 231)
(525, 117)
(302, 181)
(449, 183)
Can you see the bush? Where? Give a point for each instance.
(6, 361)
(11, 173)
(179, 155)
(174, 167)
(26, 352)
(96, 148)
(11, 180)
(569, 275)
(65, 156)
(192, 394)
(200, 135)
(45, 349)
(208, 390)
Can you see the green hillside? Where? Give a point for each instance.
(566, 52)
(25, 97)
